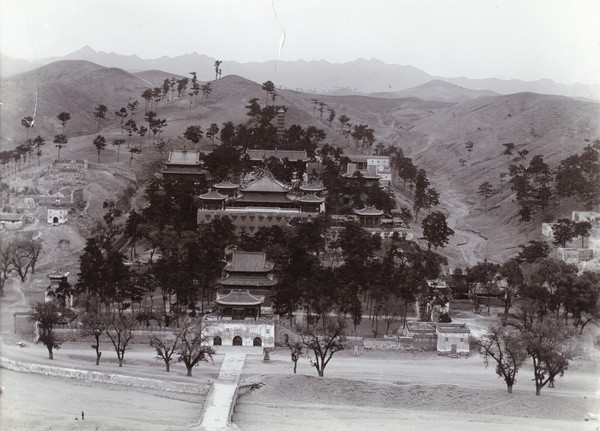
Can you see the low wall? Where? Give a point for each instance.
(425, 342)
(402, 343)
(95, 376)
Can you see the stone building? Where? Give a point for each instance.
(239, 319)
(58, 213)
(244, 333)
(445, 338)
(370, 166)
(452, 338)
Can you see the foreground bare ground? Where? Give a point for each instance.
(416, 391)
(35, 402)
(377, 390)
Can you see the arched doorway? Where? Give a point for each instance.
(257, 342)
(217, 341)
(237, 340)
(55, 220)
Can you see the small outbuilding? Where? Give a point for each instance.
(452, 338)
(11, 221)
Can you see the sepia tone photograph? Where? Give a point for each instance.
(299, 215)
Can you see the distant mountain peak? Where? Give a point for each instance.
(438, 83)
(85, 50)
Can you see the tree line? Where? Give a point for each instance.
(539, 187)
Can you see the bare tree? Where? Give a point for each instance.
(506, 348)
(550, 346)
(191, 350)
(24, 253)
(296, 351)
(324, 345)
(165, 349)
(5, 262)
(391, 312)
(94, 324)
(119, 329)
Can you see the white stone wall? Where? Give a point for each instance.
(585, 216)
(379, 161)
(248, 330)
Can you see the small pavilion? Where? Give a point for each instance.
(213, 200)
(369, 217)
(311, 203)
(239, 305)
(57, 277)
(312, 187)
(227, 188)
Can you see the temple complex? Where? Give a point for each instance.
(262, 202)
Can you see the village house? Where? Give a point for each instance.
(11, 221)
(445, 338)
(370, 166)
(423, 334)
(368, 175)
(71, 195)
(574, 253)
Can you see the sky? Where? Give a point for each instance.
(506, 39)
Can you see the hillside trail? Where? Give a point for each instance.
(12, 301)
(466, 246)
(467, 243)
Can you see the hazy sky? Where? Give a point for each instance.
(524, 39)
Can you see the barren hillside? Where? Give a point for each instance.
(433, 132)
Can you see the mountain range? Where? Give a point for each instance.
(360, 76)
